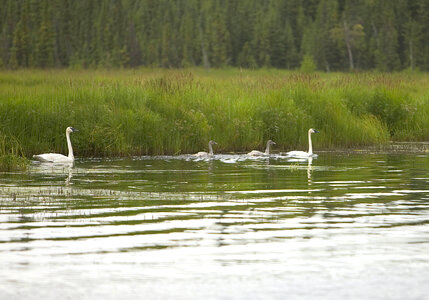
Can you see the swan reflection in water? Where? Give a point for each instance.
(309, 170)
(309, 161)
(70, 174)
(56, 170)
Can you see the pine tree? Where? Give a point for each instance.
(277, 36)
(308, 42)
(239, 16)
(166, 47)
(349, 33)
(219, 41)
(187, 35)
(246, 58)
(338, 34)
(412, 35)
(63, 27)
(385, 37)
(20, 52)
(422, 17)
(11, 12)
(291, 53)
(45, 44)
(308, 64)
(13, 61)
(261, 39)
(326, 53)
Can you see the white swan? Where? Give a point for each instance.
(303, 154)
(205, 154)
(59, 158)
(259, 153)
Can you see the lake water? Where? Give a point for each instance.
(342, 226)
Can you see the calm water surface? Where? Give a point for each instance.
(343, 226)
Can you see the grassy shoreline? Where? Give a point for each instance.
(148, 112)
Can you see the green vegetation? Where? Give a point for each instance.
(136, 112)
(338, 34)
(11, 155)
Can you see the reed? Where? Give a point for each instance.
(139, 112)
(11, 155)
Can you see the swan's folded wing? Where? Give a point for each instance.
(255, 153)
(297, 154)
(300, 154)
(201, 154)
(51, 157)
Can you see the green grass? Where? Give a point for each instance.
(11, 155)
(136, 112)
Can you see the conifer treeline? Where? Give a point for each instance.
(332, 35)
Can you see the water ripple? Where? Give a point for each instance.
(177, 219)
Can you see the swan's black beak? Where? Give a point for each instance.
(316, 131)
(73, 129)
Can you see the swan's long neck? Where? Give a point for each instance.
(267, 150)
(210, 149)
(310, 146)
(69, 145)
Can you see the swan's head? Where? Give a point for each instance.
(270, 142)
(311, 130)
(71, 129)
(212, 142)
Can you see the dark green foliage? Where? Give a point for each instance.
(338, 34)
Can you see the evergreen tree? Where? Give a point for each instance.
(308, 41)
(261, 39)
(291, 53)
(307, 64)
(337, 34)
(133, 47)
(349, 33)
(166, 47)
(187, 36)
(46, 38)
(9, 22)
(412, 35)
(422, 37)
(219, 42)
(326, 53)
(246, 58)
(386, 37)
(20, 52)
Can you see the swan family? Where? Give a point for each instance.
(290, 154)
(60, 158)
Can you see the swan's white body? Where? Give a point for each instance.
(303, 154)
(259, 153)
(56, 157)
(203, 154)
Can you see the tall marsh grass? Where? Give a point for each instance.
(11, 155)
(136, 112)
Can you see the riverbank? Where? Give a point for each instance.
(150, 112)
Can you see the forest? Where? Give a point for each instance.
(325, 35)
